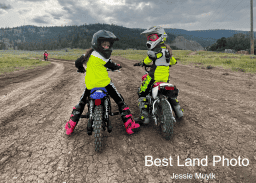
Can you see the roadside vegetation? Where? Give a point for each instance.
(236, 62)
(11, 60)
(206, 59)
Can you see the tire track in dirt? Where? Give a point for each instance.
(34, 147)
(22, 96)
(223, 113)
(209, 102)
(33, 132)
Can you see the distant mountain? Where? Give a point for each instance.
(184, 44)
(31, 37)
(39, 38)
(205, 37)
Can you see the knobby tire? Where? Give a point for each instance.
(98, 129)
(167, 118)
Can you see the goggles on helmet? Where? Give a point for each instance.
(152, 37)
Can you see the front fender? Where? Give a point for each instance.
(155, 92)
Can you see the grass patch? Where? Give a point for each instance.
(9, 60)
(242, 63)
(227, 62)
(18, 60)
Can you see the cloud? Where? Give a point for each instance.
(184, 14)
(2, 11)
(77, 11)
(32, 0)
(135, 13)
(41, 19)
(23, 11)
(56, 15)
(5, 7)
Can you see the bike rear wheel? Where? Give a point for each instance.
(98, 127)
(167, 120)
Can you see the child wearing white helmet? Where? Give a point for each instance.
(98, 61)
(161, 55)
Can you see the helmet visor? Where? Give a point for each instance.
(152, 37)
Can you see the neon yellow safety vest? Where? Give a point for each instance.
(96, 73)
(161, 72)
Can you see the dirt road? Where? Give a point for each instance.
(219, 122)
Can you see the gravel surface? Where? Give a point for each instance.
(219, 122)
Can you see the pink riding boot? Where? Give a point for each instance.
(129, 123)
(70, 125)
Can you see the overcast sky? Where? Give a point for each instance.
(181, 14)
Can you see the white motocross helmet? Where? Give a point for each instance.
(155, 30)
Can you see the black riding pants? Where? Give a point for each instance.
(112, 91)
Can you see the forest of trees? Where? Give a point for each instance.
(237, 42)
(54, 38)
(76, 37)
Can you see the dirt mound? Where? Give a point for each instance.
(219, 121)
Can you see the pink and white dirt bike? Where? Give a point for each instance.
(160, 109)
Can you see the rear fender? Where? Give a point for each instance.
(157, 88)
(98, 93)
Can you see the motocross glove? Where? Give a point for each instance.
(119, 66)
(80, 61)
(113, 66)
(139, 64)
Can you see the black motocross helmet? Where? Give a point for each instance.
(100, 36)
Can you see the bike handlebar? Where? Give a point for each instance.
(84, 71)
(146, 66)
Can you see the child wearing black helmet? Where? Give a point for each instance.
(98, 61)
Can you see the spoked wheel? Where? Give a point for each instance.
(167, 120)
(98, 128)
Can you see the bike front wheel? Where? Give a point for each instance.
(167, 120)
(98, 127)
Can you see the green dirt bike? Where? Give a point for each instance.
(160, 109)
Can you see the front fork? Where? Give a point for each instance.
(154, 109)
(107, 111)
(90, 121)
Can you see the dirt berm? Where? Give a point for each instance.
(219, 122)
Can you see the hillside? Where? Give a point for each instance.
(205, 37)
(31, 37)
(184, 44)
(39, 38)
